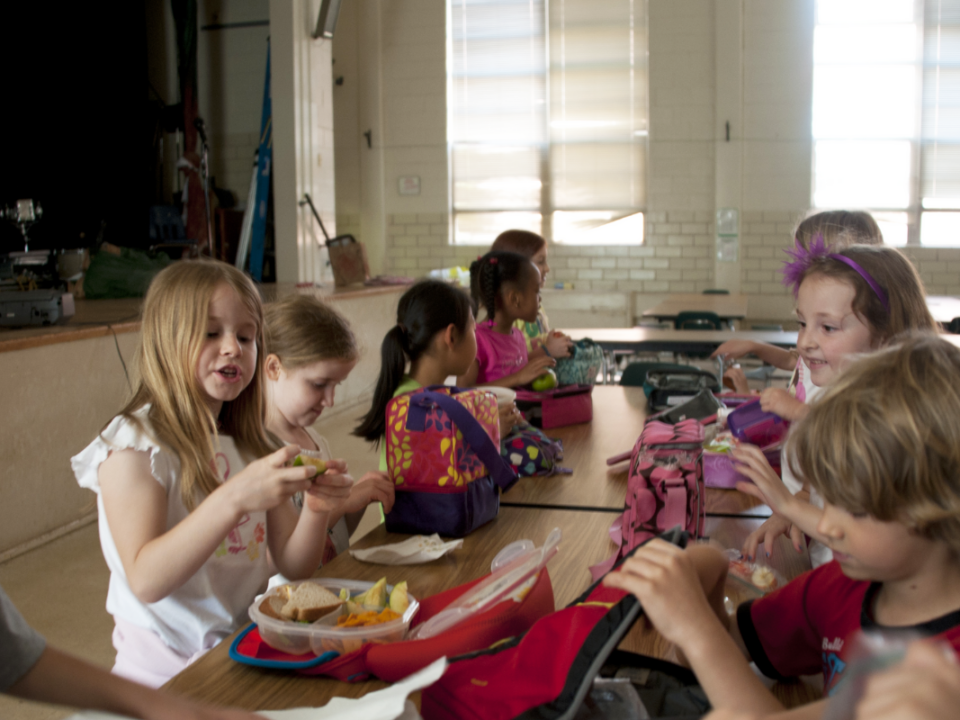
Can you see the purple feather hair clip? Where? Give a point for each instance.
(794, 269)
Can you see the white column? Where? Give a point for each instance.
(728, 172)
(301, 89)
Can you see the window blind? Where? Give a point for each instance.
(548, 118)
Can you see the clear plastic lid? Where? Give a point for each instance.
(513, 569)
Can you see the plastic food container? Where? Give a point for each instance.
(751, 424)
(323, 636)
(720, 472)
(759, 578)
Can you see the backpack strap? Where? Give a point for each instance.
(473, 432)
(674, 510)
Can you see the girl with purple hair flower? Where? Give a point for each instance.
(837, 229)
(848, 303)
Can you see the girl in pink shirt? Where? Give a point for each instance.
(507, 285)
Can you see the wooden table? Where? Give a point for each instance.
(944, 308)
(584, 509)
(641, 339)
(726, 307)
(618, 416)
(215, 678)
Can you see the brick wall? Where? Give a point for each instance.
(676, 257)
(765, 235)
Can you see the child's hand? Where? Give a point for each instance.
(735, 379)
(665, 581)
(329, 490)
(767, 533)
(534, 369)
(558, 344)
(749, 460)
(734, 349)
(509, 418)
(780, 402)
(269, 481)
(925, 686)
(372, 487)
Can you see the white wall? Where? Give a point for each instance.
(748, 62)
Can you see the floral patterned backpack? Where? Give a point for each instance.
(443, 455)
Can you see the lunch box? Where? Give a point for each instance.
(323, 636)
(751, 424)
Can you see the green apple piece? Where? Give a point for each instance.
(375, 598)
(399, 599)
(301, 460)
(547, 381)
(344, 594)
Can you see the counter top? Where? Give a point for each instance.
(97, 318)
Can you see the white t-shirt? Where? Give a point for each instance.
(805, 391)
(213, 603)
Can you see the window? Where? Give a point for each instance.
(886, 115)
(547, 125)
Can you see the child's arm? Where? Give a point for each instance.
(925, 686)
(158, 561)
(557, 345)
(65, 680)
(769, 488)
(682, 595)
(780, 402)
(810, 711)
(770, 354)
(297, 540)
(527, 374)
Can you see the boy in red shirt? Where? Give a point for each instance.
(882, 446)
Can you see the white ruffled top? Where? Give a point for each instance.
(214, 602)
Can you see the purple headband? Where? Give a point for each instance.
(794, 269)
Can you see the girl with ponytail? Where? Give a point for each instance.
(435, 335)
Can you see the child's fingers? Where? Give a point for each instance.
(283, 456)
(333, 482)
(337, 466)
(770, 539)
(382, 490)
(796, 537)
(750, 545)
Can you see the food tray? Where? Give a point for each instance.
(323, 636)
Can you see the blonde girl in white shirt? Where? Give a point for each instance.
(192, 523)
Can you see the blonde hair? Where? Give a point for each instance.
(175, 315)
(300, 329)
(839, 229)
(884, 439)
(898, 278)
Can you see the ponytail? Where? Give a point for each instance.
(426, 309)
